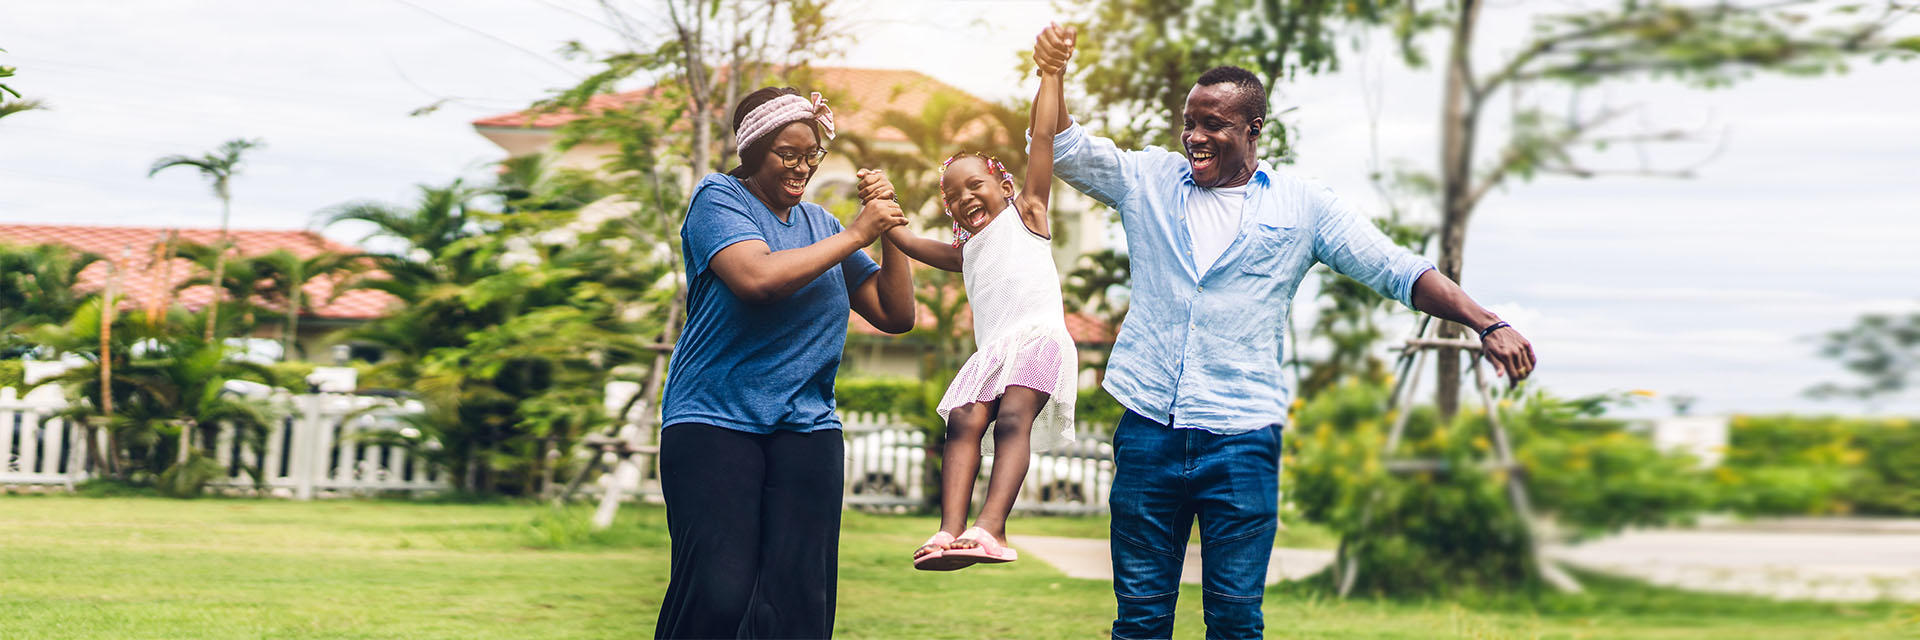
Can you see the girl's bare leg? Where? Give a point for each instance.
(1012, 446)
(960, 464)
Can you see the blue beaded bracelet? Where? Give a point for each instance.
(1492, 328)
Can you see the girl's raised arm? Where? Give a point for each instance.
(1045, 123)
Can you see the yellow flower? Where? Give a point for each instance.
(1644, 393)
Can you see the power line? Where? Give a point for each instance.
(175, 79)
(582, 16)
(536, 55)
(135, 141)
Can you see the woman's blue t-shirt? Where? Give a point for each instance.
(767, 367)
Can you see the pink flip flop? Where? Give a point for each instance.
(990, 550)
(929, 561)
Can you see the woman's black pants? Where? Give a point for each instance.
(755, 521)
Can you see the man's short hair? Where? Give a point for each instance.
(1252, 94)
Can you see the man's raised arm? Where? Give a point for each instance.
(1090, 164)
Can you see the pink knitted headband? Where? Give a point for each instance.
(781, 111)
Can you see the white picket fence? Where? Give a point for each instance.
(36, 448)
(317, 447)
(886, 468)
(314, 448)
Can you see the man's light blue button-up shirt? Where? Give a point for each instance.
(1205, 350)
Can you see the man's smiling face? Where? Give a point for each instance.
(1217, 136)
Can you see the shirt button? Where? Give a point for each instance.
(1199, 288)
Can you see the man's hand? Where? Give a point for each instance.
(1052, 48)
(1511, 354)
(874, 185)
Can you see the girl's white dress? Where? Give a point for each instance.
(1019, 327)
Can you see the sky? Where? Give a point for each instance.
(1800, 217)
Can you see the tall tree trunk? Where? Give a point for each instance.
(292, 329)
(1458, 126)
(106, 373)
(219, 266)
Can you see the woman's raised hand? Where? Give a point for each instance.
(875, 218)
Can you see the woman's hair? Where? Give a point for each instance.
(756, 153)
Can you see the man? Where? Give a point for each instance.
(1219, 241)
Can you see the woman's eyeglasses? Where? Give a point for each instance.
(791, 160)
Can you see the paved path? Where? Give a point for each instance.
(1836, 560)
(1089, 558)
(1786, 564)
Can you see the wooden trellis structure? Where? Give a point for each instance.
(1407, 369)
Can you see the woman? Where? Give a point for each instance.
(751, 455)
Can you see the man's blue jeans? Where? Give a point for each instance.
(1164, 478)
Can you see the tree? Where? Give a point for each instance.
(169, 394)
(39, 285)
(1098, 287)
(704, 58)
(1709, 45)
(510, 323)
(1881, 349)
(17, 105)
(218, 167)
(242, 285)
(288, 275)
(1138, 58)
(707, 54)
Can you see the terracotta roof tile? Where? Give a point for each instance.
(871, 92)
(145, 279)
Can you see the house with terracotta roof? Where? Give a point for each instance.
(150, 277)
(860, 99)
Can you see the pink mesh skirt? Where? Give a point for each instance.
(1041, 359)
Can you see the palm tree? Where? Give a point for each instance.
(218, 167)
(167, 385)
(244, 281)
(941, 128)
(533, 182)
(38, 285)
(437, 219)
(288, 276)
(16, 106)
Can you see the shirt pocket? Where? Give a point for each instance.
(1266, 250)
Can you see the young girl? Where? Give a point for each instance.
(1023, 379)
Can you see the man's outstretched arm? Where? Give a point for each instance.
(1437, 295)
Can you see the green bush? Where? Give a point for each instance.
(897, 396)
(292, 374)
(1813, 465)
(1891, 482)
(1453, 528)
(188, 478)
(1096, 411)
(13, 373)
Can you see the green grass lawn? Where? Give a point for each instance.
(132, 567)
